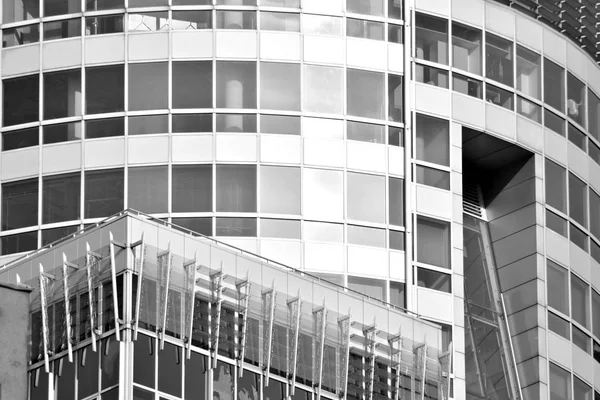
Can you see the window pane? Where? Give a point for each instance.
(578, 237)
(366, 197)
(147, 190)
(21, 100)
(148, 124)
(198, 225)
(595, 251)
(498, 58)
(236, 84)
(192, 2)
(104, 24)
(433, 177)
(396, 240)
(529, 109)
(396, 201)
(192, 188)
(580, 292)
(280, 190)
(236, 123)
(280, 3)
(191, 20)
(364, 236)
(560, 383)
(148, 84)
(554, 85)
(577, 200)
(285, 22)
(433, 140)
(559, 326)
(236, 227)
(395, 98)
(365, 132)
(395, 34)
(363, 29)
(20, 139)
(192, 84)
(369, 7)
(374, 288)
(596, 313)
(395, 9)
(57, 7)
(61, 132)
(594, 151)
(466, 48)
(62, 94)
(575, 99)
(236, 188)
(581, 391)
(62, 29)
(19, 243)
(581, 340)
(395, 136)
(20, 10)
(144, 361)
(321, 25)
(323, 89)
(103, 192)
(103, 4)
(556, 223)
(147, 22)
(280, 124)
(87, 372)
(431, 39)
(19, 204)
(434, 280)
(195, 374)
(499, 97)
(433, 242)
(170, 369)
(236, 19)
(20, 35)
(104, 90)
(593, 114)
(577, 137)
(470, 87)
(556, 187)
(61, 196)
(280, 86)
(100, 128)
(528, 72)
(431, 76)
(196, 123)
(554, 122)
(280, 228)
(558, 289)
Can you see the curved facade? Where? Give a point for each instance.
(344, 138)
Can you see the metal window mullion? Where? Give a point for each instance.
(44, 309)
(65, 267)
(115, 295)
(244, 331)
(91, 294)
(321, 315)
(295, 305)
(269, 297)
(345, 347)
(165, 283)
(191, 293)
(217, 279)
(138, 294)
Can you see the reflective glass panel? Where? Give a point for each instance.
(236, 19)
(396, 201)
(236, 227)
(170, 369)
(236, 84)
(434, 280)
(192, 188)
(374, 288)
(323, 89)
(554, 85)
(19, 243)
(366, 94)
(395, 98)
(470, 87)
(558, 287)
(280, 124)
(147, 21)
(431, 38)
(560, 383)
(364, 29)
(432, 140)
(499, 97)
(433, 242)
(578, 237)
(93, 5)
(499, 59)
(144, 360)
(105, 89)
(366, 197)
(101, 128)
(578, 197)
(20, 10)
(147, 189)
(529, 66)
(198, 225)
(559, 326)
(103, 192)
(433, 177)
(593, 114)
(280, 86)
(285, 22)
(576, 99)
(236, 123)
(580, 296)
(192, 84)
(62, 94)
(58, 133)
(61, 198)
(54, 234)
(104, 24)
(87, 372)
(62, 29)
(191, 20)
(577, 137)
(556, 223)
(365, 132)
(369, 7)
(529, 109)
(466, 48)
(431, 76)
(20, 139)
(57, 7)
(19, 204)
(148, 84)
(366, 236)
(280, 228)
(554, 122)
(236, 188)
(148, 124)
(20, 35)
(21, 100)
(280, 190)
(192, 123)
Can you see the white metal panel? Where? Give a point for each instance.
(439, 7)
(366, 53)
(432, 99)
(557, 247)
(287, 252)
(529, 32)
(555, 46)
(395, 58)
(578, 161)
(559, 350)
(396, 160)
(555, 146)
(322, 152)
(192, 44)
(469, 110)
(366, 156)
(236, 44)
(20, 59)
(469, 11)
(61, 157)
(375, 258)
(20, 163)
(499, 19)
(104, 49)
(281, 149)
(61, 54)
(580, 261)
(397, 265)
(324, 49)
(148, 149)
(435, 305)
(530, 134)
(434, 202)
(583, 364)
(104, 152)
(280, 46)
(236, 148)
(324, 257)
(148, 46)
(501, 121)
(323, 194)
(192, 148)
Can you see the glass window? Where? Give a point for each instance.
(581, 391)
(559, 326)
(19, 243)
(104, 24)
(431, 76)
(395, 136)
(434, 280)
(499, 59)
(21, 100)
(529, 109)
(192, 84)
(321, 25)
(580, 297)
(197, 225)
(397, 294)
(323, 232)
(432, 140)
(396, 201)
(236, 227)
(323, 89)
(365, 94)
(19, 204)
(593, 114)
(577, 137)
(148, 83)
(274, 21)
(558, 289)
(556, 223)
(280, 228)
(369, 7)
(100, 128)
(594, 151)
(191, 20)
(499, 97)
(560, 383)
(170, 369)
(528, 72)
(62, 29)
(280, 86)
(20, 139)
(87, 372)
(20, 10)
(596, 313)
(20, 35)
(363, 29)
(237, 2)
(431, 38)
(61, 198)
(365, 132)
(192, 2)
(595, 252)
(236, 188)
(144, 361)
(433, 242)
(192, 188)
(236, 84)
(366, 197)
(147, 21)
(554, 85)
(581, 340)
(103, 4)
(433, 177)
(58, 133)
(466, 48)
(396, 240)
(103, 192)
(395, 98)
(195, 374)
(280, 190)
(192, 123)
(147, 189)
(395, 34)
(105, 89)
(236, 19)
(578, 200)
(470, 87)
(58, 7)
(395, 9)
(575, 99)
(280, 124)
(578, 237)
(554, 122)
(148, 124)
(62, 94)
(236, 123)
(374, 288)
(365, 236)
